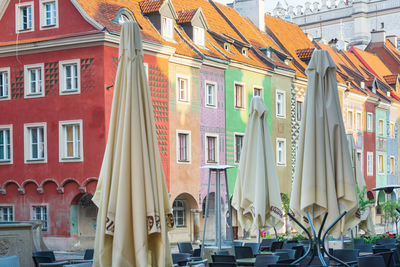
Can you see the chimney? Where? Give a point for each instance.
(252, 9)
(378, 36)
(392, 39)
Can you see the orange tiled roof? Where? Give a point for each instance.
(373, 63)
(392, 49)
(150, 6)
(391, 79)
(185, 16)
(289, 37)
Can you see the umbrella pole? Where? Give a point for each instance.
(218, 209)
(205, 215)
(229, 208)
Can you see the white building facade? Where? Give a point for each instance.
(345, 20)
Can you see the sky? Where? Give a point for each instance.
(270, 4)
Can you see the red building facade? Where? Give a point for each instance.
(57, 72)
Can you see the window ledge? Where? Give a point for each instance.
(35, 161)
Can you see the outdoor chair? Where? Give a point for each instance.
(276, 245)
(9, 261)
(82, 264)
(237, 243)
(289, 245)
(346, 255)
(265, 260)
(387, 257)
(222, 264)
(266, 244)
(254, 246)
(395, 258)
(180, 258)
(368, 261)
(300, 250)
(80, 261)
(54, 264)
(185, 247)
(196, 252)
(291, 252)
(44, 256)
(202, 263)
(367, 247)
(283, 265)
(221, 252)
(223, 258)
(358, 241)
(88, 254)
(244, 252)
(283, 256)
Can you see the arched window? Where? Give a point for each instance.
(178, 209)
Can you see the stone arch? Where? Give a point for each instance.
(3, 189)
(66, 181)
(90, 185)
(28, 181)
(48, 180)
(186, 216)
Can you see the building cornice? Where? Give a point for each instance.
(244, 66)
(215, 64)
(373, 99)
(351, 96)
(187, 61)
(92, 39)
(286, 73)
(383, 105)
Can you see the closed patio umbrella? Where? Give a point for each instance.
(256, 196)
(134, 211)
(324, 180)
(366, 223)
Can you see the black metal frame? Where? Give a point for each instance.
(317, 245)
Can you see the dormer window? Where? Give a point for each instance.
(167, 28)
(362, 85)
(198, 36)
(269, 54)
(48, 14)
(226, 46)
(245, 51)
(24, 17)
(123, 15)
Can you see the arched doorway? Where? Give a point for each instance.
(83, 221)
(186, 216)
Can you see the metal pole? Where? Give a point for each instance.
(218, 208)
(206, 215)
(229, 207)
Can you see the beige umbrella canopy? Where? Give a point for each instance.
(134, 211)
(256, 196)
(366, 223)
(324, 180)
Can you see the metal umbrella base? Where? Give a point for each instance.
(317, 244)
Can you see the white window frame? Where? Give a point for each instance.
(8, 89)
(189, 149)
(283, 93)
(392, 169)
(370, 164)
(297, 110)
(359, 122)
(381, 131)
(18, 18)
(381, 169)
(199, 36)
(2, 206)
(10, 128)
(62, 85)
(183, 209)
(283, 162)
(214, 94)
(392, 133)
(47, 215)
(167, 30)
(370, 122)
(27, 143)
(43, 18)
(216, 148)
(256, 87)
(350, 119)
(235, 159)
(27, 81)
(243, 96)
(62, 141)
(178, 96)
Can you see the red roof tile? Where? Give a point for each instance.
(391, 79)
(185, 16)
(150, 6)
(305, 53)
